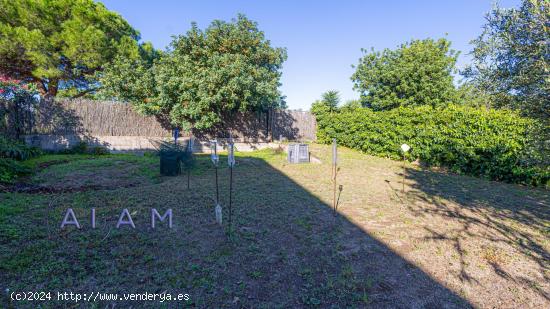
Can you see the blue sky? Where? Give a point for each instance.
(323, 38)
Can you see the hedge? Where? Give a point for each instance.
(493, 144)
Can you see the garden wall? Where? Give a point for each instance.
(117, 126)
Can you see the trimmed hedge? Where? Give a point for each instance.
(493, 144)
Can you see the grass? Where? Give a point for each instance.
(447, 241)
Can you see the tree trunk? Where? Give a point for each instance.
(49, 91)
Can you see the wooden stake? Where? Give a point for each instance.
(217, 191)
(231, 164)
(403, 171)
(334, 172)
(230, 196)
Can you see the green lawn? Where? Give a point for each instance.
(447, 241)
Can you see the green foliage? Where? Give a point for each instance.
(11, 152)
(16, 150)
(99, 151)
(511, 57)
(79, 148)
(131, 79)
(61, 44)
(417, 73)
(331, 98)
(494, 144)
(83, 148)
(17, 101)
(11, 169)
(205, 77)
(351, 105)
(328, 103)
(469, 95)
(510, 64)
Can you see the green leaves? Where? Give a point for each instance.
(495, 144)
(61, 44)
(511, 57)
(205, 77)
(417, 73)
(11, 149)
(328, 103)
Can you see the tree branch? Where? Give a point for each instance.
(83, 93)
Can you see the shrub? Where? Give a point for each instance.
(16, 150)
(99, 151)
(11, 169)
(11, 152)
(489, 143)
(83, 148)
(80, 148)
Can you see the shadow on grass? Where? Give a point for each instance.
(289, 250)
(487, 212)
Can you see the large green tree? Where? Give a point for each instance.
(417, 73)
(61, 44)
(511, 58)
(205, 76)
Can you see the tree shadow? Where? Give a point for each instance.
(285, 128)
(490, 214)
(252, 127)
(16, 116)
(288, 249)
(55, 127)
(244, 127)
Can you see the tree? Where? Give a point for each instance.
(61, 44)
(351, 105)
(131, 79)
(17, 101)
(208, 75)
(331, 99)
(511, 58)
(417, 73)
(470, 95)
(328, 103)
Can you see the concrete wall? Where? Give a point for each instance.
(117, 126)
(127, 143)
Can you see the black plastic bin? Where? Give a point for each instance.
(174, 157)
(170, 163)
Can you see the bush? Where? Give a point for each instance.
(99, 151)
(83, 148)
(489, 143)
(16, 150)
(11, 169)
(11, 152)
(79, 148)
